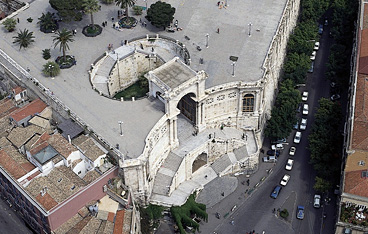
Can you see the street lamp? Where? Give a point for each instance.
(250, 29)
(121, 128)
(146, 3)
(207, 36)
(233, 64)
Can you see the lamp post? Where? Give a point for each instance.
(207, 36)
(250, 29)
(146, 3)
(121, 128)
(233, 64)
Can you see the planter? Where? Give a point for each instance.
(68, 63)
(92, 30)
(128, 22)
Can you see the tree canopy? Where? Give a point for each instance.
(160, 14)
(62, 38)
(24, 38)
(68, 9)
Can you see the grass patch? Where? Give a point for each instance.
(136, 90)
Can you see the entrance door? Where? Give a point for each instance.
(187, 107)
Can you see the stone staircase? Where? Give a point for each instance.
(106, 66)
(166, 174)
(221, 164)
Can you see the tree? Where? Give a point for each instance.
(10, 24)
(46, 54)
(47, 23)
(125, 4)
(321, 185)
(160, 14)
(24, 38)
(51, 69)
(62, 38)
(68, 9)
(90, 7)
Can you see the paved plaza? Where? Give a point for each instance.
(236, 37)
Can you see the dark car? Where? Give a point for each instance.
(276, 191)
(273, 153)
(300, 212)
(320, 29)
(280, 141)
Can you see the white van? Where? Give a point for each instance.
(277, 147)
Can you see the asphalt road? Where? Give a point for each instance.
(256, 213)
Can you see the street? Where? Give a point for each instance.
(256, 212)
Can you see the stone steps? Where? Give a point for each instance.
(221, 164)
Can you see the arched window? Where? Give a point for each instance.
(248, 103)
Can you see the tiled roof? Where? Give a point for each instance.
(5, 126)
(6, 107)
(356, 184)
(92, 226)
(61, 145)
(14, 168)
(41, 122)
(68, 127)
(91, 176)
(19, 136)
(88, 147)
(36, 106)
(17, 90)
(46, 201)
(68, 225)
(118, 227)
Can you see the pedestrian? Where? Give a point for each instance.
(145, 24)
(18, 20)
(218, 30)
(75, 62)
(105, 23)
(140, 20)
(205, 176)
(218, 4)
(112, 19)
(28, 70)
(113, 25)
(153, 50)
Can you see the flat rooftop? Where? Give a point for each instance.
(246, 29)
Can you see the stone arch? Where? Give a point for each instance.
(188, 107)
(248, 103)
(200, 161)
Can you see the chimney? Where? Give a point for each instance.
(70, 140)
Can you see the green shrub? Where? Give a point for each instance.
(46, 54)
(284, 213)
(51, 69)
(10, 24)
(137, 10)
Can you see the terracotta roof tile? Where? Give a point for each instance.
(118, 227)
(17, 90)
(46, 201)
(11, 166)
(19, 135)
(36, 106)
(110, 217)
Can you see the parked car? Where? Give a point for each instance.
(300, 212)
(277, 147)
(296, 125)
(320, 29)
(316, 45)
(273, 153)
(280, 141)
(276, 191)
(313, 56)
(335, 97)
(305, 96)
(270, 159)
(285, 180)
(305, 109)
(299, 108)
(311, 69)
(289, 164)
(303, 124)
(297, 137)
(326, 22)
(292, 150)
(317, 201)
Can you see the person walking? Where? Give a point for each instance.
(218, 30)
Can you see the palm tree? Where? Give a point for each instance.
(24, 38)
(124, 4)
(90, 7)
(10, 24)
(63, 38)
(47, 22)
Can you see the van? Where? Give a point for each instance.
(277, 147)
(270, 159)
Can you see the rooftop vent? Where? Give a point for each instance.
(361, 163)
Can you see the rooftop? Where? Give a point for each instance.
(45, 154)
(32, 108)
(174, 73)
(88, 147)
(70, 128)
(20, 135)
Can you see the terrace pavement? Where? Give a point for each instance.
(197, 18)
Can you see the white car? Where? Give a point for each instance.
(277, 147)
(297, 138)
(292, 150)
(289, 164)
(305, 109)
(316, 46)
(313, 56)
(303, 124)
(317, 201)
(305, 96)
(285, 180)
